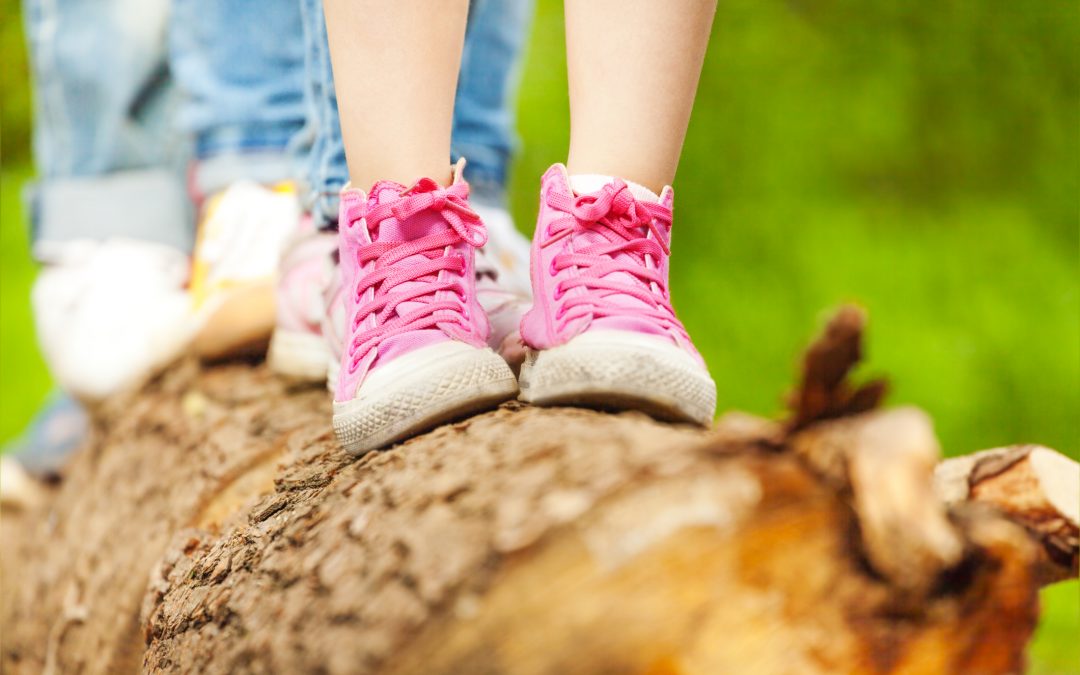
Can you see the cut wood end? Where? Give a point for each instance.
(1055, 478)
(1059, 477)
(1032, 485)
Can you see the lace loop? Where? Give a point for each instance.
(394, 287)
(621, 258)
(451, 203)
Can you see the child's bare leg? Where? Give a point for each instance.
(395, 69)
(633, 68)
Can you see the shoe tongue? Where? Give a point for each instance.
(586, 183)
(385, 191)
(394, 230)
(391, 229)
(583, 184)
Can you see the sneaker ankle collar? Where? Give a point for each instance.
(586, 183)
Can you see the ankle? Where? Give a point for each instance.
(586, 183)
(403, 176)
(653, 179)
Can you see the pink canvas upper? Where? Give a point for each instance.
(600, 261)
(304, 273)
(407, 272)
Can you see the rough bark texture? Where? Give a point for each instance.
(213, 526)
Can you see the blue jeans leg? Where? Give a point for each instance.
(483, 128)
(103, 104)
(326, 170)
(240, 68)
(484, 119)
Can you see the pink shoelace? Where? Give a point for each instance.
(625, 224)
(388, 276)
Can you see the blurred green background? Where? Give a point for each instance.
(919, 158)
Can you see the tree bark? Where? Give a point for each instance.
(212, 525)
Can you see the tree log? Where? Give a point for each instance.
(1034, 486)
(212, 525)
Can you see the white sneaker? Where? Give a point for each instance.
(503, 287)
(298, 348)
(507, 249)
(239, 244)
(110, 314)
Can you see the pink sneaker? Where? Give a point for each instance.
(602, 331)
(298, 348)
(502, 289)
(416, 354)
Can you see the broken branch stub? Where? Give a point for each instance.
(885, 459)
(825, 391)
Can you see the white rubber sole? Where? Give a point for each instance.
(299, 355)
(621, 371)
(419, 391)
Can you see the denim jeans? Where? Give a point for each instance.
(109, 163)
(484, 119)
(325, 172)
(243, 87)
(239, 66)
(483, 127)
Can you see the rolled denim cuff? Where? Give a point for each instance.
(485, 171)
(220, 171)
(146, 204)
(252, 138)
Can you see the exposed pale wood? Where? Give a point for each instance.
(886, 459)
(1034, 486)
(737, 573)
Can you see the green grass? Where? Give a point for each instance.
(24, 382)
(918, 158)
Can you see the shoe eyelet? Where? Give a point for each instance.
(559, 292)
(551, 268)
